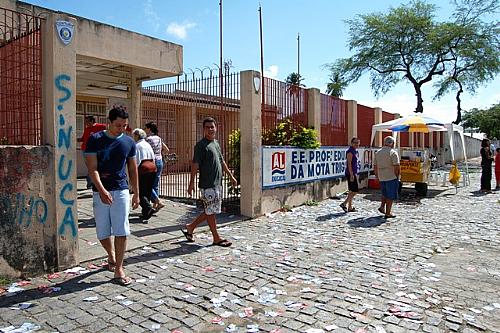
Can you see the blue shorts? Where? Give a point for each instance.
(112, 219)
(390, 189)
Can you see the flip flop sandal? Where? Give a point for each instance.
(381, 210)
(122, 281)
(389, 216)
(189, 236)
(111, 266)
(344, 207)
(352, 209)
(223, 243)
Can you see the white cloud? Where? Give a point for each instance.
(151, 16)
(271, 72)
(180, 30)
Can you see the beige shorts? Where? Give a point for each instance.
(212, 199)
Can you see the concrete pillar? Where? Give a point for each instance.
(251, 143)
(378, 135)
(59, 115)
(352, 119)
(135, 116)
(314, 110)
(431, 140)
(411, 139)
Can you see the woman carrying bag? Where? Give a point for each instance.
(159, 149)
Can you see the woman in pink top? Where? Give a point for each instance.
(159, 148)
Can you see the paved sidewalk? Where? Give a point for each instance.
(315, 269)
(163, 226)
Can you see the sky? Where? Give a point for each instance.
(194, 24)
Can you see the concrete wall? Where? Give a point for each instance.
(296, 195)
(27, 229)
(472, 147)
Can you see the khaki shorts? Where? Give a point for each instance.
(212, 199)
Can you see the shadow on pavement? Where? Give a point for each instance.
(76, 283)
(408, 196)
(329, 216)
(367, 222)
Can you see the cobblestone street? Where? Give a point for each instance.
(433, 268)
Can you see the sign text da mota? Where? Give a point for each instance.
(319, 163)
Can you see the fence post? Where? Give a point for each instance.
(135, 102)
(378, 135)
(314, 110)
(59, 114)
(352, 119)
(251, 143)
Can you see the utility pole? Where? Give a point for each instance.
(261, 58)
(220, 53)
(298, 55)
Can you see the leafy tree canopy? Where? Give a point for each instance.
(295, 79)
(486, 121)
(407, 43)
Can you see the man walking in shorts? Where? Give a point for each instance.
(387, 170)
(210, 163)
(106, 155)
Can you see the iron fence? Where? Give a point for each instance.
(20, 78)
(366, 119)
(282, 101)
(178, 109)
(333, 121)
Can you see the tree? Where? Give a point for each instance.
(295, 79)
(337, 83)
(407, 44)
(486, 121)
(473, 50)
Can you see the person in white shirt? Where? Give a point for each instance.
(146, 169)
(387, 170)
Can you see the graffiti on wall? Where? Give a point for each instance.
(23, 210)
(22, 165)
(65, 164)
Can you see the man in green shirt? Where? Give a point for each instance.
(210, 163)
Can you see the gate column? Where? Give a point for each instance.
(59, 131)
(251, 143)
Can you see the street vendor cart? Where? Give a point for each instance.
(415, 168)
(415, 162)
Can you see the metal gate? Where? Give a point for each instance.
(179, 109)
(20, 78)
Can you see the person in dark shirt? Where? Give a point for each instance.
(486, 162)
(106, 155)
(209, 162)
(351, 173)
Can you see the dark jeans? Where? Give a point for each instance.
(486, 177)
(145, 188)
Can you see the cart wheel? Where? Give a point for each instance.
(421, 189)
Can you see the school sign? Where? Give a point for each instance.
(282, 166)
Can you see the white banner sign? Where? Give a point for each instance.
(282, 166)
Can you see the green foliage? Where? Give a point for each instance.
(486, 121)
(311, 203)
(288, 134)
(295, 79)
(406, 43)
(337, 83)
(305, 138)
(234, 161)
(285, 134)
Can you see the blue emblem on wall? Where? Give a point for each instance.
(65, 31)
